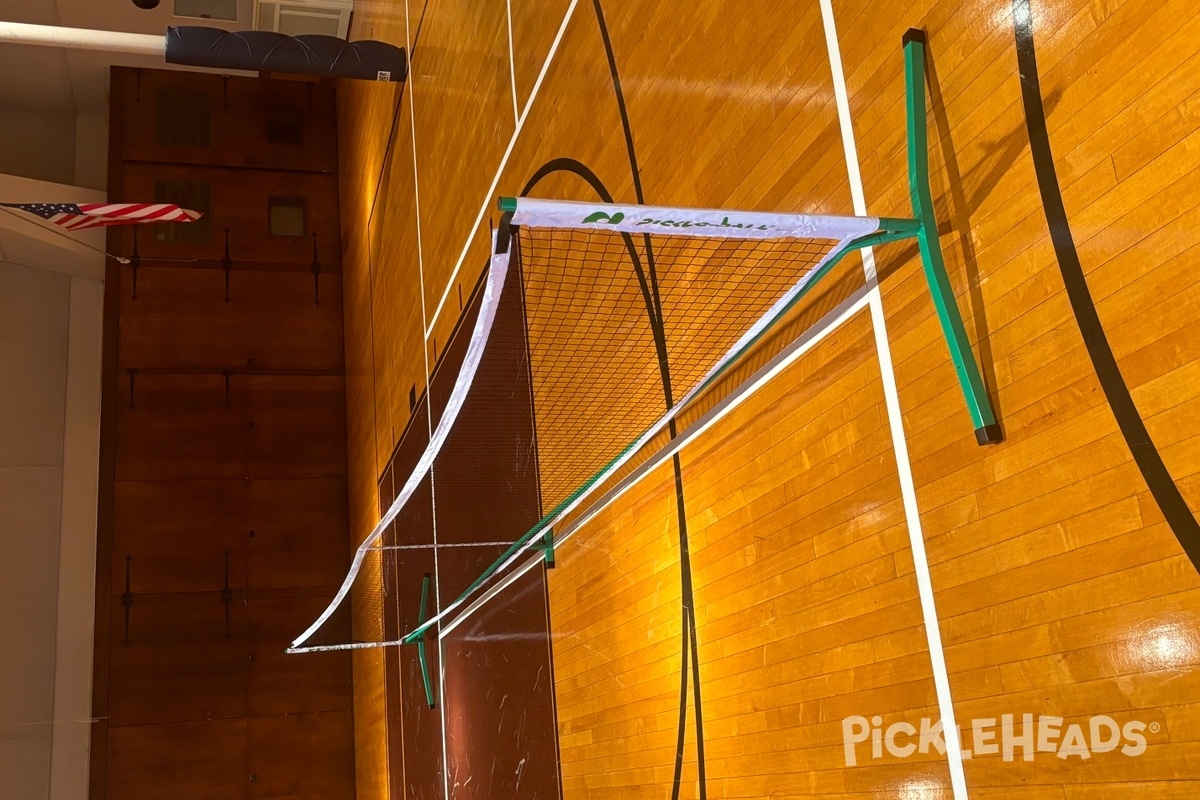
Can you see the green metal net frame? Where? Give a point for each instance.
(922, 227)
(987, 429)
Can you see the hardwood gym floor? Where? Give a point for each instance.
(1065, 157)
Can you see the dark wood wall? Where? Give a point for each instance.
(223, 521)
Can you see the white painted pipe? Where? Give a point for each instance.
(83, 39)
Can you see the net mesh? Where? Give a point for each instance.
(597, 335)
(595, 310)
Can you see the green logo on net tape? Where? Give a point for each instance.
(601, 216)
(618, 217)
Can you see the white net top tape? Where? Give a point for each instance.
(689, 221)
(497, 273)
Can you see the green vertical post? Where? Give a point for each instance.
(987, 430)
(548, 547)
(421, 642)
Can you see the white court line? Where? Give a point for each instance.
(412, 118)
(412, 124)
(512, 61)
(912, 514)
(488, 195)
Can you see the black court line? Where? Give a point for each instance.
(657, 322)
(1133, 428)
(584, 172)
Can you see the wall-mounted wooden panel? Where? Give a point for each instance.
(302, 756)
(224, 495)
(274, 426)
(239, 201)
(297, 426)
(179, 427)
(183, 661)
(283, 683)
(268, 124)
(177, 535)
(272, 320)
(299, 533)
(182, 761)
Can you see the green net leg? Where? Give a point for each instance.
(421, 642)
(987, 430)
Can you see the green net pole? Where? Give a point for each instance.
(421, 642)
(987, 430)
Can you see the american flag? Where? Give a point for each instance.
(97, 215)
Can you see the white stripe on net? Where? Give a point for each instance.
(700, 222)
(497, 272)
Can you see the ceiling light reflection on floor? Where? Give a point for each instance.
(922, 788)
(1169, 645)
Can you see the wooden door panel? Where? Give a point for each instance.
(223, 511)
(181, 662)
(179, 536)
(255, 105)
(302, 757)
(181, 761)
(298, 426)
(300, 535)
(239, 202)
(241, 113)
(272, 320)
(282, 683)
(180, 426)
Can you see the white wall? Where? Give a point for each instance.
(71, 734)
(38, 144)
(91, 150)
(33, 369)
(50, 334)
(55, 146)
